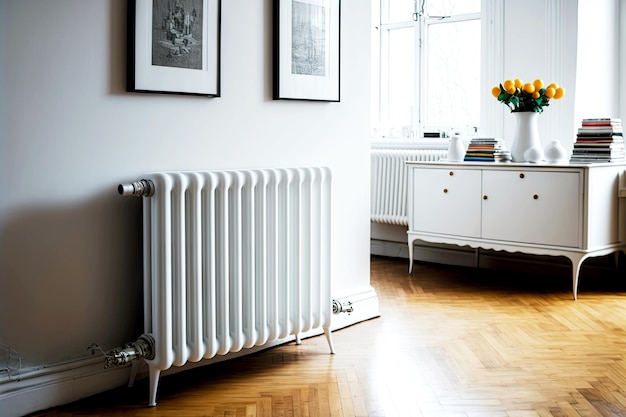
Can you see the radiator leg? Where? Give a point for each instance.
(154, 383)
(329, 339)
(298, 339)
(133, 373)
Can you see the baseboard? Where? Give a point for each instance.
(389, 249)
(58, 384)
(444, 254)
(55, 385)
(364, 306)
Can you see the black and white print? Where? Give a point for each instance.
(177, 33)
(308, 45)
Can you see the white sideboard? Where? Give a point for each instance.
(576, 211)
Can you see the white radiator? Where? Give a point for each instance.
(234, 259)
(390, 182)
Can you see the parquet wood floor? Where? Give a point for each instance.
(451, 342)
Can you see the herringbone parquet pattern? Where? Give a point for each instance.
(450, 342)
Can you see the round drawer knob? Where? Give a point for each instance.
(535, 197)
(485, 197)
(445, 190)
(451, 173)
(521, 175)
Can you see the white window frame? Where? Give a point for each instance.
(420, 22)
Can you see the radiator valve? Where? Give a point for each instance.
(339, 307)
(141, 188)
(142, 348)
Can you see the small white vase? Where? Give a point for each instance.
(526, 139)
(555, 153)
(456, 149)
(533, 154)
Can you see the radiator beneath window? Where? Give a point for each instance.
(390, 182)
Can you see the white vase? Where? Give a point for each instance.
(555, 153)
(456, 149)
(526, 141)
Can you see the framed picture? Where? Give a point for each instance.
(306, 49)
(174, 46)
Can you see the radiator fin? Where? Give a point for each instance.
(389, 182)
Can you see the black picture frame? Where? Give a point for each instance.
(174, 47)
(306, 50)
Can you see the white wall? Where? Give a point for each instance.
(574, 43)
(598, 86)
(540, 42)
(70, 249)
(622, 60)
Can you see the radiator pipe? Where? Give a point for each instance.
(141, 188)
(339, 307)
(142, 348)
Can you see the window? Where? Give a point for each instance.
(428, 77)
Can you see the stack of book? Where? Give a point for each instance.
(599, 140)
(487, 150)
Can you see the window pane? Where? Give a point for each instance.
(452, 7)
(393, 11)
(453, 77)
(400, 78)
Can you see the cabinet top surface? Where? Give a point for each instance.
(514, 165)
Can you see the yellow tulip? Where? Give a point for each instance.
(529, 88)
(559, 93)
(495, 91)
(518, 83)
(550, 91)
(538, 84)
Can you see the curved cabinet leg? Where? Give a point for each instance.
(411, 255)
(577, 261)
